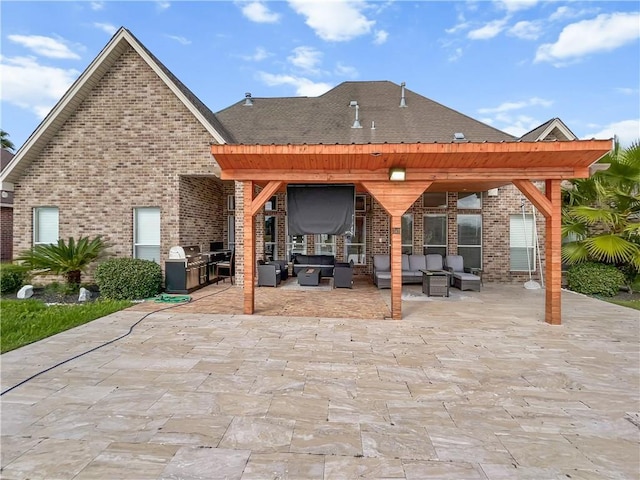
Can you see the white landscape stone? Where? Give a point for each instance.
(25, 292)
(84, 295)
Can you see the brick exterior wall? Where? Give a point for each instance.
(6, 234)
(496, 212)
(131, 143)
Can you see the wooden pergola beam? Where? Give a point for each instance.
(267, 192)
(414, 174)
(396, 198)
(249, 247)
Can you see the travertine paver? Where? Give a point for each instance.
(474, 386)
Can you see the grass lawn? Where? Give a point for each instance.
(635, 304)
(27, 321)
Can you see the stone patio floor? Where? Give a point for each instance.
(319, 385)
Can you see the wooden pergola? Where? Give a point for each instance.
(437, 167)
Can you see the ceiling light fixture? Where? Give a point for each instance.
(397, 174)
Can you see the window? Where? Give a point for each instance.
(355, 246)
(469, 200)
(361, 203)
(434, 199)
(231, 202)
(272, 204)
(271, 237)
(296, 244)
(470, 240)
(45, 225)
(146, 233)
(231, 232)
(407, 233)
(325, 244)
(435, 234)
(521, 243)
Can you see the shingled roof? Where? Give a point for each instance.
(328, 119)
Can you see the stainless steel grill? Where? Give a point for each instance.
(185, 269)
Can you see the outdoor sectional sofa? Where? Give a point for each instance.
(324, 262)
(411, 269)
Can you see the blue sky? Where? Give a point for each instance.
(511, 64)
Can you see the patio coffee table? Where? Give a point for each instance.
(435, 283)
(309, 277)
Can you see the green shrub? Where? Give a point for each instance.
(128, 278)
(12, 277)
(591, 278)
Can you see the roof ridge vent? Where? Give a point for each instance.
(403, 101)
(356, 122)
(248, 101)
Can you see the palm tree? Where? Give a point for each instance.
(601, 214)
(67, 259)
(6, 144)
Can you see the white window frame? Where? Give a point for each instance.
(468, 194)
(50, 215)
(151, 223)
(359, 258)
(406, 247)
(324, 247)
(272, 204)
(517, 226)
(289, 243)
(274, 241)
(231, 232)
(361, 200)
(479, 215)
(425, 244)
(425, 195)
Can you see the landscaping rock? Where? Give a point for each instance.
(25, 292)
(84, 295)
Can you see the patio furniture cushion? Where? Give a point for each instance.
(434, 262)
(382, 263)
(405, 262)
(417, 263)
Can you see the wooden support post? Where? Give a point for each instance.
(396, 267)
(553, 249)
(249, 249)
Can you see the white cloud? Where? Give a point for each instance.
(628, 91)
(346, 71)
(335, 21)
(259, 55)
(564, 13)
(258, 12)
(490, 30)
(604, 33)
(163, 5)
(179, 39)
(627, 131)
(106, 27)
(526, 30)
(455, 56)
(509, 106)
(519, 125)
(305, 58)
(381, 36)
(303, 86)
(97, 5)
(515, 5)
(45, 46)
(32, 86)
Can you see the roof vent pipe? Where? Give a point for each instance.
(356, 123)
(248, 101)
(403, 101)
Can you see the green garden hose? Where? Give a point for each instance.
(164, 298)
